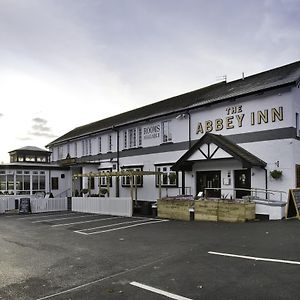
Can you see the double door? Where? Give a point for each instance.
(209, 182)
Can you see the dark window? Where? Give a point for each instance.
(137, 179)
(62, 176)
(54, 183)
(297, 176)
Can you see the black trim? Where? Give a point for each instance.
(132, 167)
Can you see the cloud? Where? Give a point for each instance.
(1, 115)
(39, 128)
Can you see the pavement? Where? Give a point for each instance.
(68, 255)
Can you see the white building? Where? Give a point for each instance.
(30, 172)
(225, 136)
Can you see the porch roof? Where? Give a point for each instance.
(247, 159)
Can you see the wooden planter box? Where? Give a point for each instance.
(222, 210)
(177, 209)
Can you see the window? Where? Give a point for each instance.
(83, 147)
(91, 183)
(125, 139)
(168, 178)
(140, 137)
(297, 176)
(137, 180)
(109, 143)
(166, 134)
(90, 147)
(99, 145)
(132, 138)
(54, 183)
(68, 149)
(103, 179)
(38, 181)
(297, 125)
(75, 149)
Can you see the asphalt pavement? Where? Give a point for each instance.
(69, 255)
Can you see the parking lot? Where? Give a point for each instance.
(69, 255)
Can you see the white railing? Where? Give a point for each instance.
(103, 205)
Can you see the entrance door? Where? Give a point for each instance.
(209, 179)
(242, 180)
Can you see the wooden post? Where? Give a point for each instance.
(89, 185)
(135, 189)
(107, 185)
(131, 187)
(159, 186)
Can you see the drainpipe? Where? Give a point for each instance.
(118, 161)
(266, 182)
(189, 130)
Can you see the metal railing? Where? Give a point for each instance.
(254, 194)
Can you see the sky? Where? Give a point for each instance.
(66, 63)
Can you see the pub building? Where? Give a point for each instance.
(222, 140)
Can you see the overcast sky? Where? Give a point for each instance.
(65, 63)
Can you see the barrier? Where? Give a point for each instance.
(48, 204)
(102, 205)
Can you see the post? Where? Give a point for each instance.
(159, 186)
(107, 185)
(135, 189)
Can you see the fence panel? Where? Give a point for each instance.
(48, 204)
(102, 205)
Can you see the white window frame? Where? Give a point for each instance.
(166, 132)
(109, 143)
(126, 179)
(166, 179)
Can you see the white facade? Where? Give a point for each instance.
(265, 123)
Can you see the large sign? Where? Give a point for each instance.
(152, 132)
(235, 117)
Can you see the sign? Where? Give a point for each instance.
(235, 117)
(293, 207)
(24, 207)
(152, 132)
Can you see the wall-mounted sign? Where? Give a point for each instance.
(151, 132)
(236, 118)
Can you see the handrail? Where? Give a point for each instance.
(254, 192)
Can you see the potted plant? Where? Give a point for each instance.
(276, 174)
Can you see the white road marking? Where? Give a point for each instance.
(293, 262)
(44, 216)
(81, 222)
(125, 227)
(104, 278)
(58, 219)
(109, 225)
(158, 291)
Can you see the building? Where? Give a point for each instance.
(226, 138)
(31, 172)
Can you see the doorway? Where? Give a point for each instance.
(209, 179)
(242, 180)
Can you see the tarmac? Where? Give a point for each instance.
(68, 255)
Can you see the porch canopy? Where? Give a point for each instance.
(212, 147)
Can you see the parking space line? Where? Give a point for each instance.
(158, 291)
(44, 216)
(125, 227)
(109, 225)
(293, 262)
(58, 219)
(104, 278)
(82, 222)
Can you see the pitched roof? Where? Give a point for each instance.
(247, 159)
(278, 77)
(30, 148)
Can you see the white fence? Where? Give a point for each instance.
(37, 204)
(102, 205)
(7, 203)
(48, 204)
